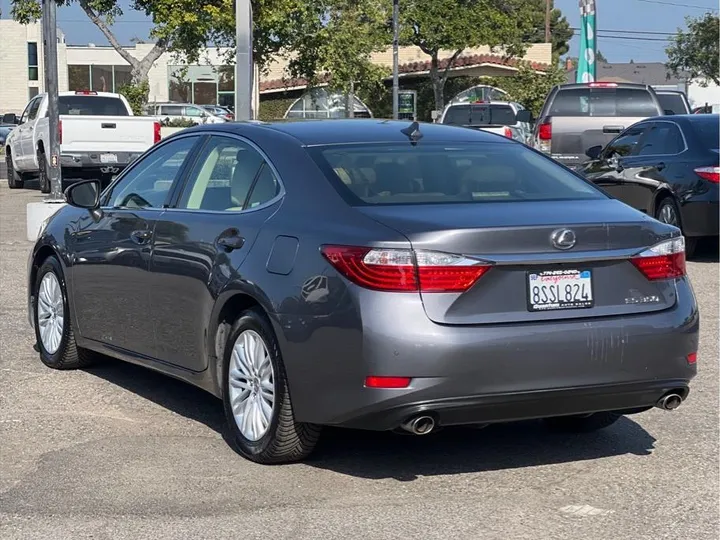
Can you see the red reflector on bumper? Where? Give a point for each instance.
(692, 358)
(387, 382)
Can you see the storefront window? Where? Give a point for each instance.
(78, 78)
(122, 76)
(102, 78)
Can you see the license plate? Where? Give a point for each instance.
(559, 289)
(108, 158)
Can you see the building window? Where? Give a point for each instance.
(32, 61)
(122, 75)
(32, 92)
(78, 78)
(101, 78)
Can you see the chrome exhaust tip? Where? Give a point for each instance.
(419, 425)
(669, 402)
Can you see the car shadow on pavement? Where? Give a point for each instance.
(377, 455)
(707, 251)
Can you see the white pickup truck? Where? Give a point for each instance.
(502, 117)
(99, 137)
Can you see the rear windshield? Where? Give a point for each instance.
(673, 103)
(92, 106)
(603, 102)
(378, 174)
(707, 131)
(479, 115)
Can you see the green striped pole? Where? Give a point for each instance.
(586, 60)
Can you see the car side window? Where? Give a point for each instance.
(222, 177)
(194, 112)
(34, 106)
(26, 112)
(265, 189)
(148, 183)
(662, 138)
(626, 143)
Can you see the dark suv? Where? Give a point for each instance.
(578, 116)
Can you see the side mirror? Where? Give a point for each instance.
(10, 118)
(524, 116)
(85, 194)
(594, 152)
(668, 112)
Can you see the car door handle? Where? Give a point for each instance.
(613, 129)
(660, 166)
(140, 237)
(230, 240)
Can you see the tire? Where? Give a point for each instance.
(43, 178)
(668, 212)
(582, 424)
(15, 180)
(66, 355)
(281, 439)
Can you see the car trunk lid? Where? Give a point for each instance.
(515, 239)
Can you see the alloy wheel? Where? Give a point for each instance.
(251, 381)
(668, 215)
(50, 312)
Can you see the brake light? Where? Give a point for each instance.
(665, 260)
(404, 270)
(692, 358)
(602, 85)
(59, 135)
(507, 132)
(85, 93)
(157, 133)
(545, 135)
(387, 382)
(711, 174)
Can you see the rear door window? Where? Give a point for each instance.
(92, 106)
(479, 115)
(604, 102)
(673, 103)
(372, 174)
(626, 143)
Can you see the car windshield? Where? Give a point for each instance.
(707, 131)
(673, 103)
(377, 174)
(92, 106)
(479, 115)
(603, 102)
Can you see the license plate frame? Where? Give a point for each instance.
(108, 158)
(572, 276)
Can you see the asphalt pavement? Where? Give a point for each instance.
(119, 452)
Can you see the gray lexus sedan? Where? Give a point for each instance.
(368, 274)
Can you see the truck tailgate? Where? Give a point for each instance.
(107, 133)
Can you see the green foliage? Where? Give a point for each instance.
(435, 25)
(137, 96)
(696, 51)
(177, 123)
(529, 87)
(274, 108)
(560, 31)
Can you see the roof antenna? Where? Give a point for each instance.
(413, 133)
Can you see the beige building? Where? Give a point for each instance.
(101, 68)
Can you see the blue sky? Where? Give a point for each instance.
(621, 15)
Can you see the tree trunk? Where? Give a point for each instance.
(437, 83)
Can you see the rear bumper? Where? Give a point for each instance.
(701, 215)
(486, 373)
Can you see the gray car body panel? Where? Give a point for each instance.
(332, 333)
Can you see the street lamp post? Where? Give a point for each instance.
(396, 81)
(244, 68)
(52, 153)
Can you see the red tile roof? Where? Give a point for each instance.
(415, 67)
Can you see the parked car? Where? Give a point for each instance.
(673, 101)
(184, 111)
(666, 167)
(577, 116)
(5, 131)
(503, 117)
(368, 274)
(222, 112)
(98, 135)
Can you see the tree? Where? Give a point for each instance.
(696, 51)
(337, 44)
(560, 31)
(529, 87)
(455, 25)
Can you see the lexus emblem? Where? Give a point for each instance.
(563, 238)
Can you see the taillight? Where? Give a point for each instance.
(665, 260)
(402, 270)
(156, 133)
(602, 85)
(374, 381)
(507, 132)
(711, 174)
(545, 135)
(59, 131)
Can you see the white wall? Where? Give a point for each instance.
(699, 96)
